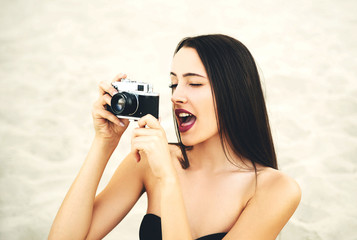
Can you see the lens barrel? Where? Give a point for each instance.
(124, 103)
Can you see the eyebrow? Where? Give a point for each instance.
(188, 74)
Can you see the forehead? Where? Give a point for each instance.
(187, 60)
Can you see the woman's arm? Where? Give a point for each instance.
(174, 219)
(149, 140)
(83, 217)
(118, 197)
(74, 216)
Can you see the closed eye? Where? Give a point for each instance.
(191, 84)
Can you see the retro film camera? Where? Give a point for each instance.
(134, 100)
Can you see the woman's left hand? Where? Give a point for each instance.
(149, 143)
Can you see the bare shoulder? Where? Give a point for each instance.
(275, 200)
(269, 177)
(278, 186)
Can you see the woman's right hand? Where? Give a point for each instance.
(108, 126)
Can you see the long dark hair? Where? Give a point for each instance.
(242, 117)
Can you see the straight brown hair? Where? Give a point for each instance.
(242, 117)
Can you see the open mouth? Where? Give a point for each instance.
(186, 120)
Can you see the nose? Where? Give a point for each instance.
(178, 95)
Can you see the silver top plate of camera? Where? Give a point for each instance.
(126, 85)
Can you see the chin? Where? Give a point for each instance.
(191, 140)
(187, 142)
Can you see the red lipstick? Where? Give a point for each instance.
(185, 119)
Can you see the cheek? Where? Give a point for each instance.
(213, 119)
(208, 110)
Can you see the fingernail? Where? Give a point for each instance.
(122, 124)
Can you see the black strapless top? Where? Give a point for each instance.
(150, 229)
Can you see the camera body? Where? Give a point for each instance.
(134, 100)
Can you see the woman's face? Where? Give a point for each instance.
(192, 98)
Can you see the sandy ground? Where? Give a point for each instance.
(53, 54)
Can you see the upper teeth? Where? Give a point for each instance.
(184, 115)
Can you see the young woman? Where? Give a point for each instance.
(219, 182)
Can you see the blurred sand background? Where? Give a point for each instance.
(53, 54)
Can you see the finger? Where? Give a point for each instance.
(106, 99)
(102, 113)
(138, 132)
(124, 121)
(137, 156)
(150, 121)
(144, 143)
(135, 149)
(105, 87)
(102, 102)
(119, 77)
(139, 143)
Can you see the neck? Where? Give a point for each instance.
(210, 155)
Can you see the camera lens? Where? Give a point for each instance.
(124, 103)
(120, 104)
